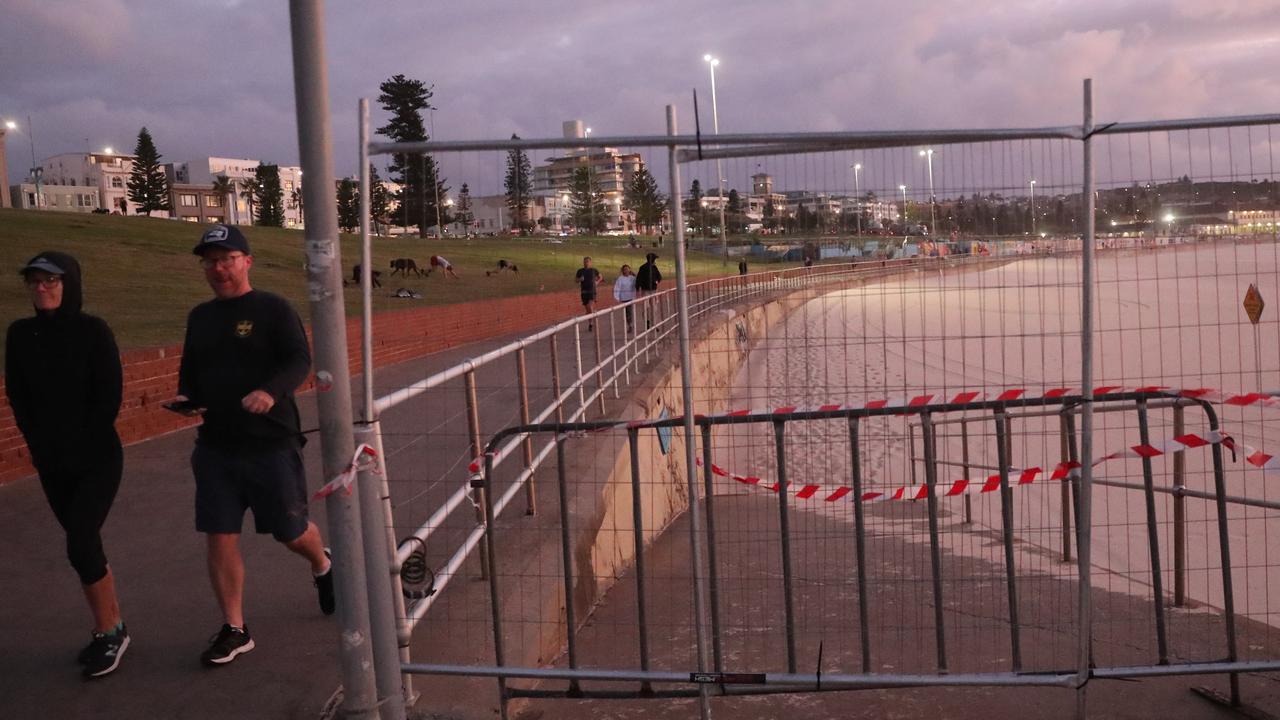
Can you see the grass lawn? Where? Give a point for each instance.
(141, 277)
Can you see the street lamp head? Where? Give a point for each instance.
(707, 57)
(11, 124)
(1033, 182)
(903, 188)
(108, 150)
(857, 166)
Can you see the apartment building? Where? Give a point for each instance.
(610, 170)
(239, 207)
(107, 173)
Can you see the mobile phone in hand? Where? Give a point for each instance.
(183, 407)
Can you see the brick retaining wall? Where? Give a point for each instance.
(151, 375)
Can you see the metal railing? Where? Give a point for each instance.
(731, 677)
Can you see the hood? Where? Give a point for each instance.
(72, 290)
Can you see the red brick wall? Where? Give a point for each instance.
(151, 375)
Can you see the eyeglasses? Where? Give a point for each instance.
(224, 262)
(50, 282)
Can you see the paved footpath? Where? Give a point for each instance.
(159, 563)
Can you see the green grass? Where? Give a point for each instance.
(140, 275)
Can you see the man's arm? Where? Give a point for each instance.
(292, 355)
(186, 366)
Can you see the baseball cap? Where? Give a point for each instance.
(40, 262)
(651, 256)
(223, 236)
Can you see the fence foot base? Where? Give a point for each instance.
(1241, 709)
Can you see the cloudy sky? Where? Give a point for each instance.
(214, 77)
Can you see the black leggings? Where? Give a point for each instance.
(81, 501)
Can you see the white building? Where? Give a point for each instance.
(107, 173)
(205, 170)
(610, 170)
(64, 198)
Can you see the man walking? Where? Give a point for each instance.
(588, 278)
(245, 353)
(647, 279)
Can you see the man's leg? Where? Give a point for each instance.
(226, 574)
(310, 546)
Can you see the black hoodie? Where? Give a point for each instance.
(62, 375)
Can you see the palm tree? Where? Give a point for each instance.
(248, 185)
(296, 197)
(226, 189)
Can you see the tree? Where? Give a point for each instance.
(225, 187)
(148, 187)
(268, 195)
(348, 206)
(518, 185)
(586, 209)
(644, 200)
(379, 199)
(735, 202)
(417, 175)
(770, 219)
(462, 210)
(248, 192)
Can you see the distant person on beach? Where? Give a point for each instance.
(244, 355)
(438, 262)
(624, 291)
(588, 278)
(63, 379)
(742, 266)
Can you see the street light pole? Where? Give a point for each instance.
(933, 220)
(1033, 208)
(905, 229)
(715, 127)
(36, 173)
(857, 194)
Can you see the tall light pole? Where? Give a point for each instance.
(715, 127)
(36, 172)
(1033, 208)
(927, 154)
(905, 229)
(857, 194)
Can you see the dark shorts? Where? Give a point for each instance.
(588, 298)
(271, 483)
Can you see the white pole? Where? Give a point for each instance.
(715, 126)
(1033, 208)
(857, 193)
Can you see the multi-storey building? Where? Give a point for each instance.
(54, 197)
(197, 203)
(610, 171)
(106, 172)
(204, 171)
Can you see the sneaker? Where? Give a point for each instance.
(226, 645)
(324, 587)
(102, 656)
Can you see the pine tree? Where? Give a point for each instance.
(148, 187)
(417, 175)
(379, 198)
(735, 202)
(268, 195)
(348, 206)
(462, 210)
(643, 198)
(587, 210)
(518, 185)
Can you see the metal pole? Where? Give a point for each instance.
(555, 377)
(366, 267)
(403, 627)
(579, 380)
(1006, 527)
(784, 528)
(1064, 453)
(1153, 538)
(715, 126)
(1224, 551)
(717, 650)
(599, 369)
(637, 528)
(324, 282)
(1179, 513)
(495, 597)
(477, 447)
(1084, 517)
(935, 546)
(382, 616)
(522, 378)
(860, 536)
(686, 392)
(566, 559)
(964, 459)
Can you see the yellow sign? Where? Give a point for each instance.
(1253, 304)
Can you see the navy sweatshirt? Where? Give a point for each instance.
(236, 346)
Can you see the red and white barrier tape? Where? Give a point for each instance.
(1017, 477)
(364, 458)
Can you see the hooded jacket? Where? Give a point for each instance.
(63, 379)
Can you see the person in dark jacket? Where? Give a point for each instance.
(63, 379)
(647, 279)
(244, 354)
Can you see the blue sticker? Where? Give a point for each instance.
(664, 433)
